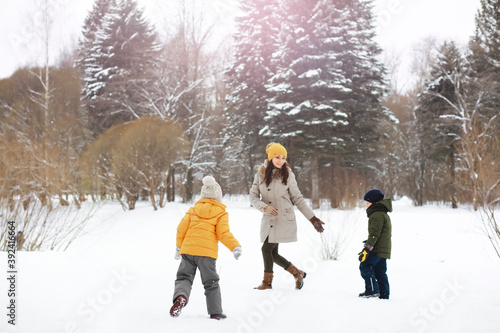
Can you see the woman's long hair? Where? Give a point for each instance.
(268, 173)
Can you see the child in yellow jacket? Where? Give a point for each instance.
(198, 236)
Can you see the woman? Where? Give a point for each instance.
(274, 191)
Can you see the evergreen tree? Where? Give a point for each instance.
(485, 56)
(247, 75)
(308, 86)
(326, 93)
(86, 61)
(365, 77)
(323, 84)
(118, 53)
(437, 124)
(93, 22)
(485, 44)
(329, 84)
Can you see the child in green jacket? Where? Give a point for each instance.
(377, 248)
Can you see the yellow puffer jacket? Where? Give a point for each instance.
(201, 229)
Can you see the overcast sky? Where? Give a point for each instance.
(400, 25)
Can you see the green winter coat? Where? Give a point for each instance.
(380, 228)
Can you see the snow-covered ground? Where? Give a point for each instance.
(119, 277)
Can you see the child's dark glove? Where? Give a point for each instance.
(363, 255)
(365, 252)
(317, 224)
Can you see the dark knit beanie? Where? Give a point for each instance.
(373, 196)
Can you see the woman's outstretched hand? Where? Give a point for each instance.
(317, 224)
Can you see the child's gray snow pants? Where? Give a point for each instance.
(209, 278)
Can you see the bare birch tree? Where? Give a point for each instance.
(185, 91)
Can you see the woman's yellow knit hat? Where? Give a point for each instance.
(275, 149)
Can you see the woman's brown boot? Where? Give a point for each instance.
(298, 275)
(267, 282)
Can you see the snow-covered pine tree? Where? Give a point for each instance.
(88, 65)
(326, 93)
(92, 23)
(254, 43)
(308, 86)
(365, 79)
(485, 56)
(118, 55)
(437, 125)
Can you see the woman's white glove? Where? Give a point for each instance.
(237, 252)
(177, 255)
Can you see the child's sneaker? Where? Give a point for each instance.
(218, 316)
(179, 303)
(369, 295)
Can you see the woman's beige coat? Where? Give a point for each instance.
(282, 228)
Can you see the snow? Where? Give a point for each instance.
(296, 110)
(341, 114)
(119, 277)
(280, 106)
(324, 107)
(312, 73)
(281, 87)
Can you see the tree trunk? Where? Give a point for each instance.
(46, 101)
(77, 201)
(421, 179)
(334, 198)
(315, 183)
(454, 203)
(163, 190)
(171, 184)
(131, 200)
(152, 198)
(188, 186)
(250, 175)
(62, 201)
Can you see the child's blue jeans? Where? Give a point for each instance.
(374, 272)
